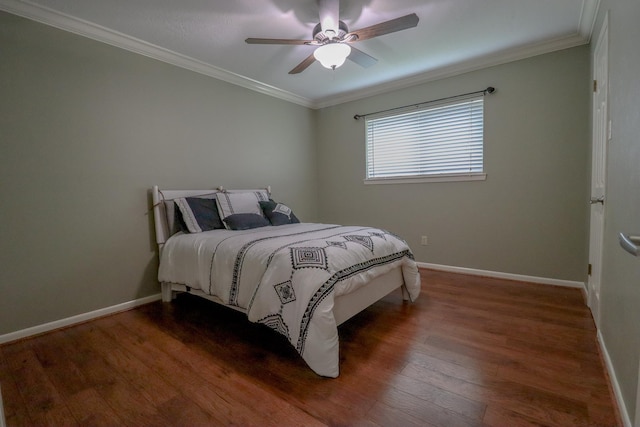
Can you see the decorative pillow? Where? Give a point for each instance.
(278, 214)
(245, 221)
(178, 221)
(199, 214)
(173, 217)
(230, 203)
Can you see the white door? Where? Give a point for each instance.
(598, 171)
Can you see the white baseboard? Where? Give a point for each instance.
(35, 330)
(500, 275)
(624, 413)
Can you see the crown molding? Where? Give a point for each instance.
(96, 32)
(485, 61)
(588, 17)
(102, 34)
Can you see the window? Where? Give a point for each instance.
(441, 142)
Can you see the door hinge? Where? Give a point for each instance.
(595, 85)
(589, 270)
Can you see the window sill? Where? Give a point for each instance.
(433, 178)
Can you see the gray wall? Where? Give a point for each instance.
(85, 130)
(527, 218)
(620, 289)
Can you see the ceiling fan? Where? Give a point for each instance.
(333, 39)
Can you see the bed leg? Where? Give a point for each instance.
(167, 293)
(405, 293)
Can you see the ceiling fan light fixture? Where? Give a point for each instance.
(332, 55)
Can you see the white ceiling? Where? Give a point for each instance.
(207, 36)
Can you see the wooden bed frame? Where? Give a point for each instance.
(345, 306)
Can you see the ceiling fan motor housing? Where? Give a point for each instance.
(322, 38)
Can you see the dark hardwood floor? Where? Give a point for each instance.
(471, 351)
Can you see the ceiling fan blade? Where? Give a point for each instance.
(362, 59)
(329, 11)
(303, 65)
(391, 26)
(277, 41)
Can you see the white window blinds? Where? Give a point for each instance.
(446, 139)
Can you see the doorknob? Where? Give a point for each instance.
(595, 200)
(630, 244)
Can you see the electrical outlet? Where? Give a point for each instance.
(424, 241)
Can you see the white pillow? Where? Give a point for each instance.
(230, 203)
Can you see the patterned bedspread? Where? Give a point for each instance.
(286, 277)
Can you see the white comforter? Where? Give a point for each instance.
(287, 276)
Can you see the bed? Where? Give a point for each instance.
(300, 279)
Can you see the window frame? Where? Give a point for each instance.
(433, 177)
